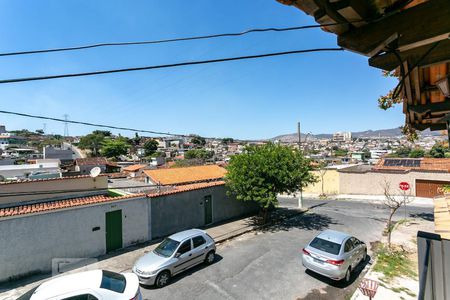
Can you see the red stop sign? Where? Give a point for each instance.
(404, 186)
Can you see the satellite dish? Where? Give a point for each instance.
(95, 172)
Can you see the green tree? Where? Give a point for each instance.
(438, 151)
(226, 141)
(150, 147)
(198, 153)
(113, 148)
(416, 153)
(402, 152)
(93, 141)
(262, 172)
(198, 140)
(105, 133)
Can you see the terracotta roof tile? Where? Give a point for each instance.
(60, 204)
(186, 175)
(134, 168)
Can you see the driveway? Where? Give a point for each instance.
(266, 264)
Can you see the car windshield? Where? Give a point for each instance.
(167, 247)
(113, 281)
(325, 246)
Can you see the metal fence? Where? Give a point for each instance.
(434, 266)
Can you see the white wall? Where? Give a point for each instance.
(29, 243)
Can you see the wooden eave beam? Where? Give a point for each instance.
(421, 22)
(441, 107)
(389, 62)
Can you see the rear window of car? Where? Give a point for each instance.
(113, 281)
(325, 246)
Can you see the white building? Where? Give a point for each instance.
(50, 166)
(342, 136)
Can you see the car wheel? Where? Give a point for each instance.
(163, 279)
(348, 275)
(210, 257)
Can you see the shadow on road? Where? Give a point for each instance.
(424, 216)
(284, 219)
(186, 273)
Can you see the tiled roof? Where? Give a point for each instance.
(60, 204)
(91, 161)
(442, 217)
(134, 168)
(45, 179)
(426, 164)
(186, 188)
(186, 175)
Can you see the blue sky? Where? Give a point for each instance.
(262, 98)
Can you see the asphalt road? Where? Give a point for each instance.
(267, 265)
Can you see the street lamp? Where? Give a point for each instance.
(444, 85)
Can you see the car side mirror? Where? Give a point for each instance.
(177, 255)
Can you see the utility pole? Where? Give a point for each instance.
(300, 200)
(66, 125)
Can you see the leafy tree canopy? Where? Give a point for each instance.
(226, 141)
(198, 153)
(438, 150)
(93, 141)
(150, 147)
(113, 148)
(416, 153)
(262, 172)
(198, 140)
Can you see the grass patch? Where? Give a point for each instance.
(112, 193)
(394, 263)
(405, 290)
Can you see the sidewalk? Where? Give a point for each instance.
(124, 259)
(416, 201)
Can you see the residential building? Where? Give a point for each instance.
(134, 170)
(342, 137)
(64, 155)
(85, 165)
(24, 171)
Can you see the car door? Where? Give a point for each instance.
(200, 248)
(359, 249)
(183, 256)
(349, 252)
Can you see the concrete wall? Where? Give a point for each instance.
(176, 212)
(371, 183)
(86, 169)
(52, 152)
(9, 171)
(30, 242)
(64, 184)
(330, 186)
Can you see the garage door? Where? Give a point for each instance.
(429, 188)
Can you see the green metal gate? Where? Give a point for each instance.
(208, 209)
(113, 230)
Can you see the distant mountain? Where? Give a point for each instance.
(393, 132)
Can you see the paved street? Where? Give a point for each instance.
(266, 264)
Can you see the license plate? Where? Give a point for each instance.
(318, 261)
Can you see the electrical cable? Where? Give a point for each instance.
(189, 63)
(234, 34)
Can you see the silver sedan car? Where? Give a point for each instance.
(334, 254)
(174, 255)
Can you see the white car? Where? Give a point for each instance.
(90, 285)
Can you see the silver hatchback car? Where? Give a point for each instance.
(334, 254)
(174, 255)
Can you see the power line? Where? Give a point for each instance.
(91, 124)
(83, 47)
(189, 63)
